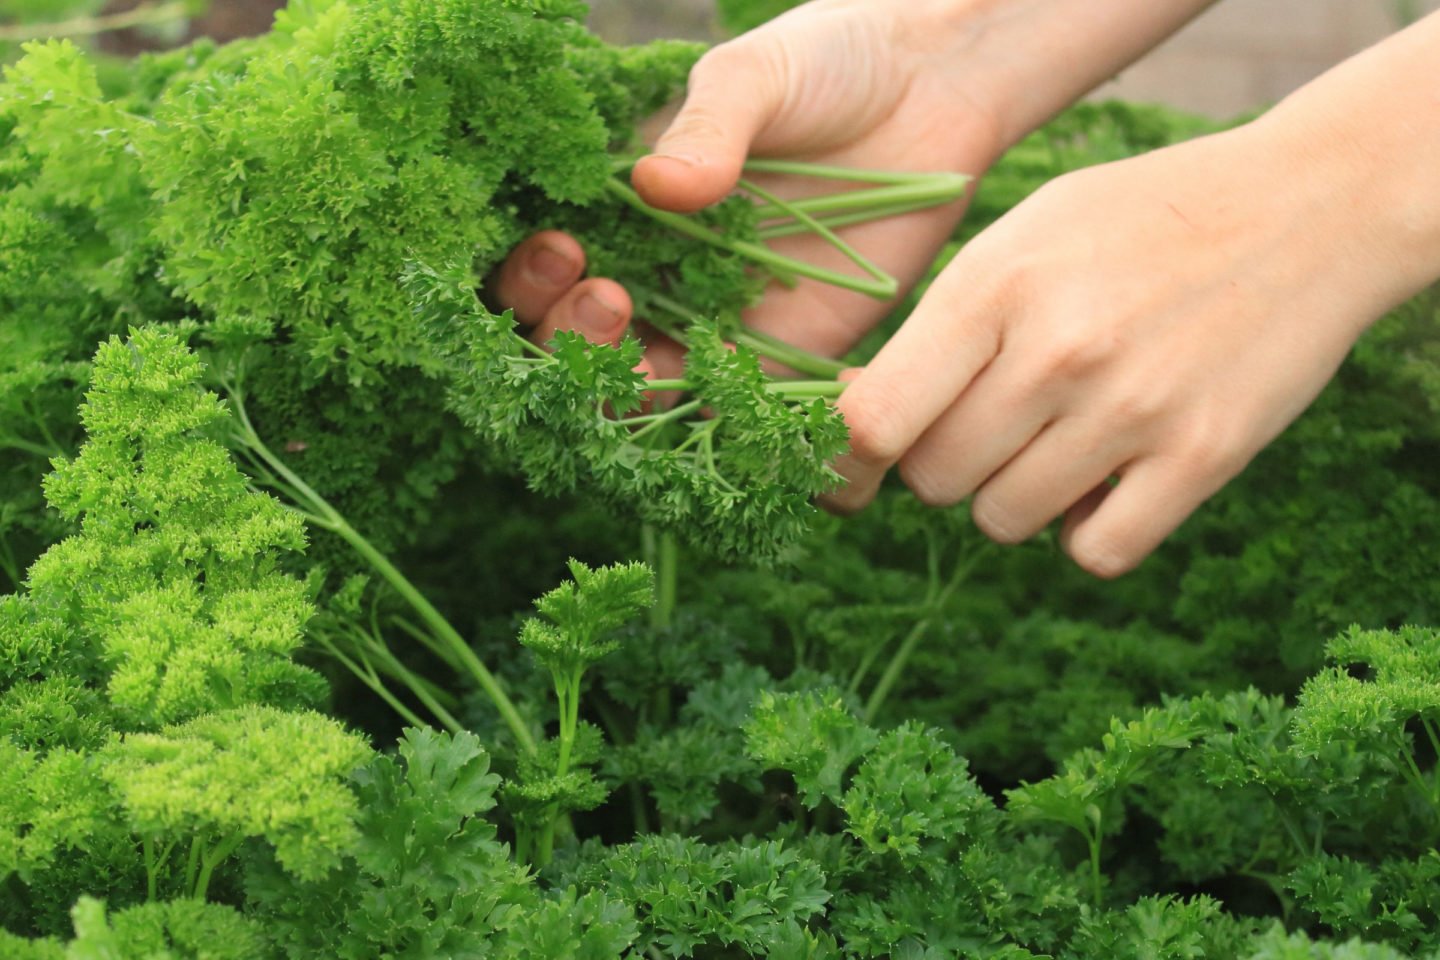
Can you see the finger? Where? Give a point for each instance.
(915, 378)
(598, 309)
(859, 486)
(1060, 468)
(1110, 535)
(733, 92)
(996, 417)
(537, 274)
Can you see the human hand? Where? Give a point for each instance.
(1156, 320)
(835, 82)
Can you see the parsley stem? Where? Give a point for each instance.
(819, 229)
(789, 389)
(836, 221)
(876, 201)
(886, 684)
(801, 168)
(330, 519)
(762, 343)
(881, 289)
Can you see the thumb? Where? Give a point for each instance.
(732, 95)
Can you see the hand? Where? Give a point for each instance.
(839, 82)
(1156, 320)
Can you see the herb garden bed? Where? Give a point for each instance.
(277, 491)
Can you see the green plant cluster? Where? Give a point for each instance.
(271, 679)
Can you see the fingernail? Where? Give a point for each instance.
(595, 315)
(551, 267)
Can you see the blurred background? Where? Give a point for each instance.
(1237, 58)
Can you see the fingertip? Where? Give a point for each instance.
(538, 273)
(599, 309)
(682, 183)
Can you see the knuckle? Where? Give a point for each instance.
(1139, 405)
(1211, 443)
(1073, 353)
(876, 436)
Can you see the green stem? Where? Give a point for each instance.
(819, 229)
(28, 446)
(144, 15)
(8, 564)
(836, 221)
(676, 413)
(786, 389)
(443, 653)
(152, 869)
(867, 662)
(901, 659)
(192, 862)
(884, 289)
(330, 519)
(1093, 838)
(801, 361)
(876, 202)
(213, 859)
(667, 578)
(800, 168)
(367, 675)
(764, 344)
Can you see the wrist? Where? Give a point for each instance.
(1024, 61)
(1367, 133)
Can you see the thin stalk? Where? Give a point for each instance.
(8, 564)
(152, 869)
(417, 685)
(796, 389)
(212, 860)
(1093, 838)
(920, 193)
(330, 519)
(441, 651)
(764, 344)
(756, 252)
(801, 361)
(676, 413)
(28, 446)
(192, 862)
(829, 236)
(800, 168)
(836, 221)
(867, 662)
(896, 667)
(667, 577)
(145, 15)
(1434, 737)
(367, 675)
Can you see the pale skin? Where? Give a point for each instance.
(1121, 344)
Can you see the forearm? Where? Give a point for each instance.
(1032, 58)
(1369, 132)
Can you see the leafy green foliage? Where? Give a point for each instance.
(217, 779)
(738, 483)
(173, 579)
(900, 743)
(690, 896)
